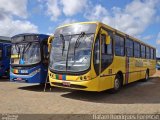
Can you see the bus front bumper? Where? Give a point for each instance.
(25, 78)
(90, 85)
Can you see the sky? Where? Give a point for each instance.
(138, 18)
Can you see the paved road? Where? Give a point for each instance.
(138, 97)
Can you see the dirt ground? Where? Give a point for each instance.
(22, 98)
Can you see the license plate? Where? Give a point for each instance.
(66, 83)
(19, 79)
(24, 71)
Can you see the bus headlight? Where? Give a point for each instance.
(35, 72)
(85, 78)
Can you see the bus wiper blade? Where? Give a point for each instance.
(77, 44)
(17, 49)
(63, 42)
(25, 49)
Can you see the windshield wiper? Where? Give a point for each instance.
(63, 42)
(25, 49)
(77, 44)
(17, 49)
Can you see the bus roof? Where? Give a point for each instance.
(110, 28)
(4, 39)
(42, 36)
(23, 34)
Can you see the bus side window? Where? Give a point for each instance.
(97, 55)
(129, 47)
(143, 51)
(136, 50)
(152, 53)
(107, 56)
(119, 45)
(147, 52)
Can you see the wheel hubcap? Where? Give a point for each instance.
(117, 84)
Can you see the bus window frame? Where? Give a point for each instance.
(126, 48)
(135, 42)
(95, 64)
(119, 46)
(148, 52)
(111, 55)
(143, 57)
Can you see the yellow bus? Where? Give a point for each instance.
(92, 56)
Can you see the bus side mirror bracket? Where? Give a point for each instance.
(49, 42)
(108, 39)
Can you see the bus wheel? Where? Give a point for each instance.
(117, 84)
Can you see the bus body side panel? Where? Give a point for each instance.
(152, 69)
(119, 63)
(32, 75)
(133, 75)
(44, 72)
(5, 62)
(1, 62)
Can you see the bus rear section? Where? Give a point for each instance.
(92, 56)
(5, 52)
(29, 58)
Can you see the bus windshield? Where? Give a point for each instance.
(71, 53)
(26, 53)
(71, 48)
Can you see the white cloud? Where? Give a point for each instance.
(10, 26)
(72, 7)
(148, 37)
(68, 21)
(14, 7)
(133, 19)
(158, 38)
(98, 13)
(53, 9)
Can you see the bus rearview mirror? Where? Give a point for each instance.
(108, 40)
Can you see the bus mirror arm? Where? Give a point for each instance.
(49, 42)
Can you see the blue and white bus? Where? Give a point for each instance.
(29, 58)
(5, 52)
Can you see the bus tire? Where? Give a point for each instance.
(117, 84)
